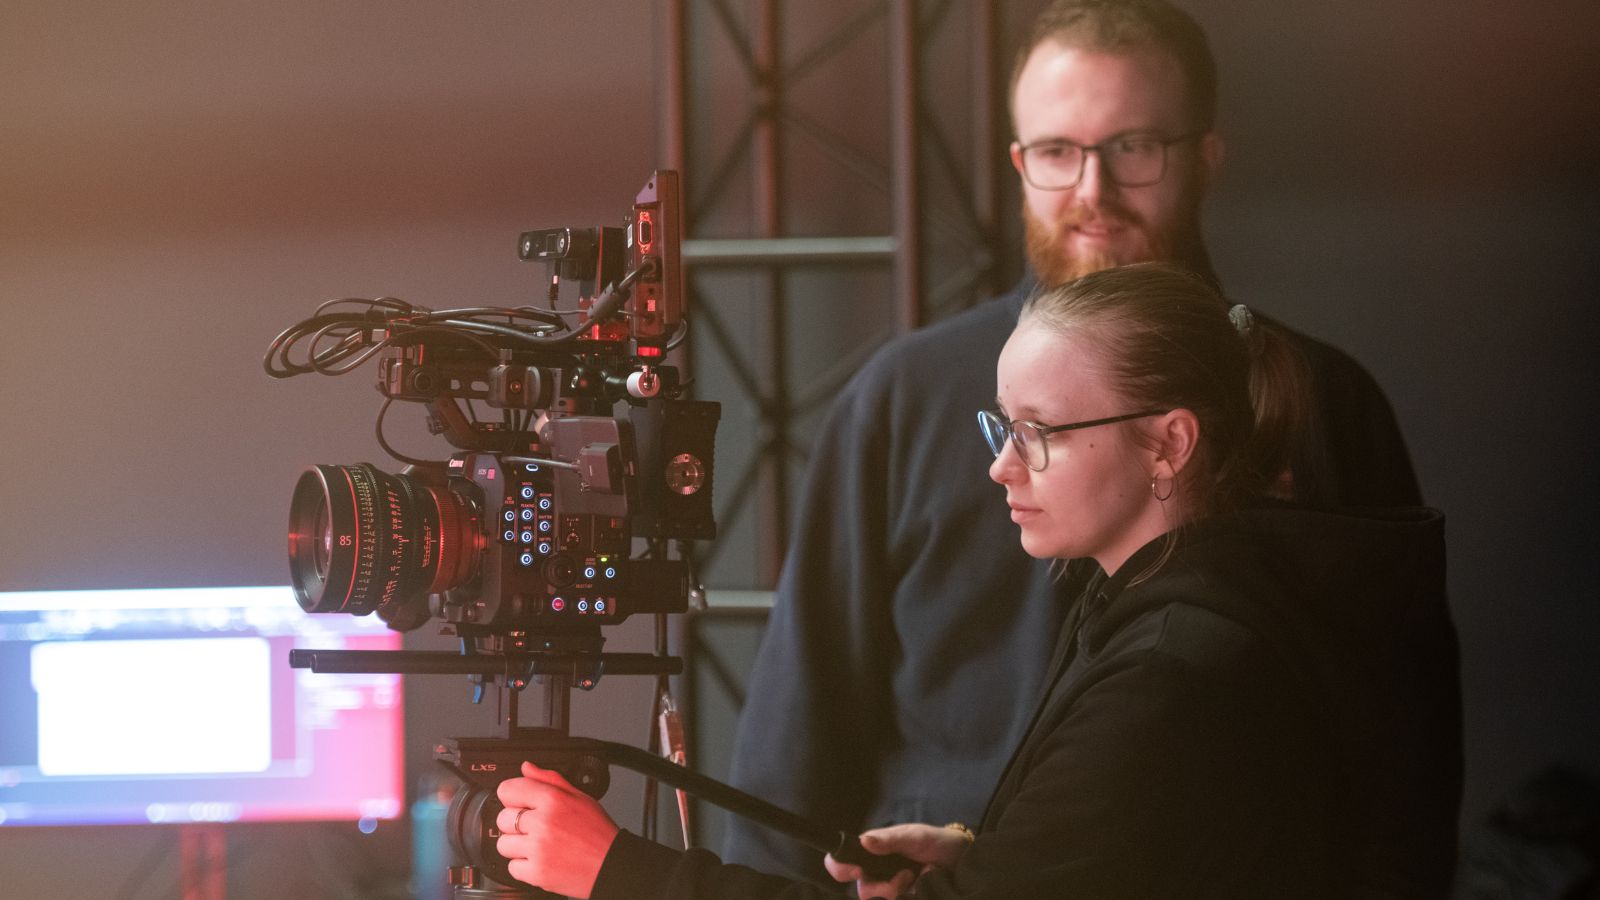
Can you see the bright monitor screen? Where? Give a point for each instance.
(179, 705)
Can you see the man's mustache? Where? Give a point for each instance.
(1108, 213)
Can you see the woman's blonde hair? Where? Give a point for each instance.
(1170, 342)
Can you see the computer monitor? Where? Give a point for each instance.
(179, 706)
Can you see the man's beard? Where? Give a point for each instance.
(1055, 263)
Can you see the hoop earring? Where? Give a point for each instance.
(1156, 478)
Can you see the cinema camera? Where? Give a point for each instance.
(529, 527)
(522, 543)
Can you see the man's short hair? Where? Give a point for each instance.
(1120, 26)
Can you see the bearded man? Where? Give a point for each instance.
(910, 633)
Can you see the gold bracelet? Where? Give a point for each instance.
(963, 830)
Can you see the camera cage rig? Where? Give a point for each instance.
(570, 486)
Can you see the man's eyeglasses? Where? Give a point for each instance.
(1029, 437)
(1131, 161)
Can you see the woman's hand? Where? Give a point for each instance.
(925, 844)
(555, 835)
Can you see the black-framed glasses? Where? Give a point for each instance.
(1029, 437)
(1129, 161)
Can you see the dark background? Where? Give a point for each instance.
(179, 181)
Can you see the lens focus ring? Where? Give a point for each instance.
(351, 543)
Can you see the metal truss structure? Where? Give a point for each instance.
(843, 150)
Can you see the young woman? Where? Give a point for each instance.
(1248, 700)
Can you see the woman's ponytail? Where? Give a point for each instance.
(1284, 448)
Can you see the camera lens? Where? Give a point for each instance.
(362, 540)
